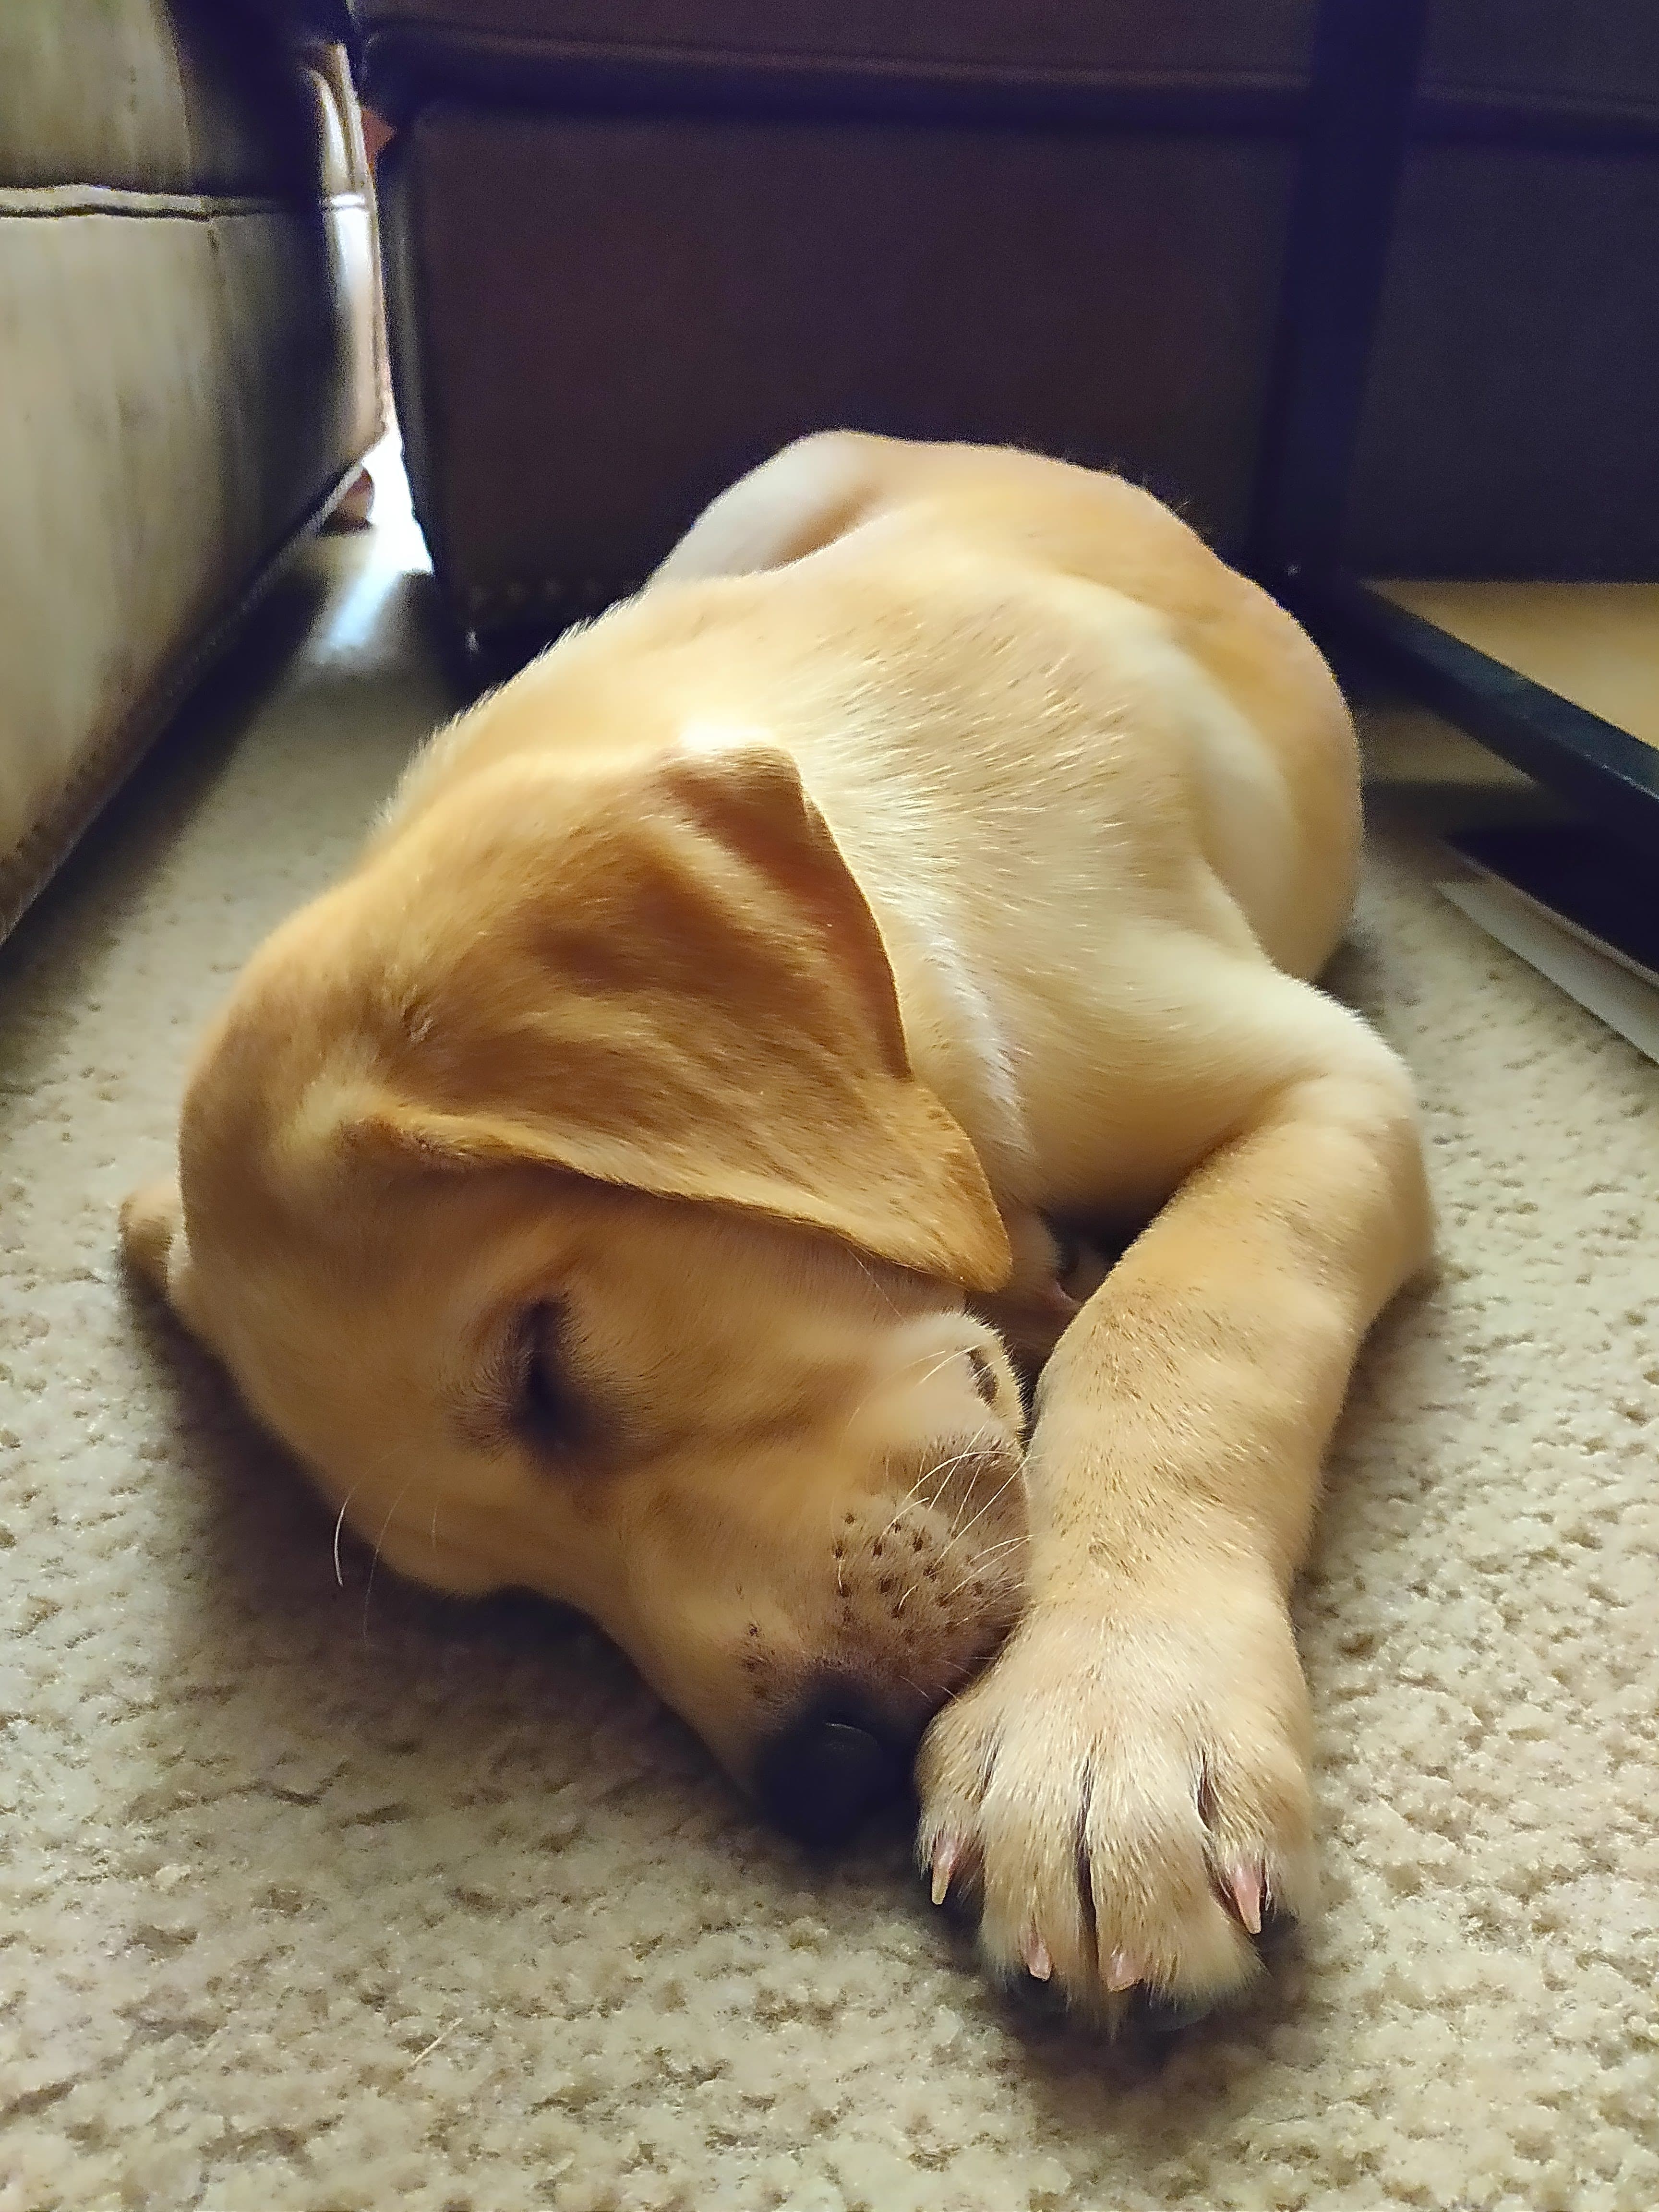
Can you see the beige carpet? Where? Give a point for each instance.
(328, 1897)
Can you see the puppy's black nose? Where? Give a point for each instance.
(821, 1777)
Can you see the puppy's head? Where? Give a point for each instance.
(560, 1191)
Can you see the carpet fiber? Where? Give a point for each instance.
(317, 1896)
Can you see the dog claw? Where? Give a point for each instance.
(1122, 1971)
(947, 1854)
(1035, 1952)
(1245, 1890)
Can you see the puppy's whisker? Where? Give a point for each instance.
(971, 1450)
(339, 1573)
(943, 1360)
(940, 1360)
(339, 1523)
(999, 1551)
(988, 1557)
(880, 1288)
(957, 1533)
(374, 1559)
(941, 1470)
(977, 1441)
(936, 1472)
(984, 1563)
(909, 1498)
(977, 1518)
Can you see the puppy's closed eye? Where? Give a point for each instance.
(550, 1411)
(538, 1391)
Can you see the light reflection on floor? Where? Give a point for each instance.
(375, 560)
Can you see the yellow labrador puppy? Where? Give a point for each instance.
(630, 1181)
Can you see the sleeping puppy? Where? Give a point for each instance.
(631, 1182)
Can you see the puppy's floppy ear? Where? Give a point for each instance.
(154, 1246)
(667, 978)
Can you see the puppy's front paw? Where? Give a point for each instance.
(1126, 1790)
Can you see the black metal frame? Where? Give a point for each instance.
(1360, 120)
(1364, 70)
(1591, 763)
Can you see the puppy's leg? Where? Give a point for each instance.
(806, 497)
(1127, 1783)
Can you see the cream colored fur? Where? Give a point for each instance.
(614, 1186)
